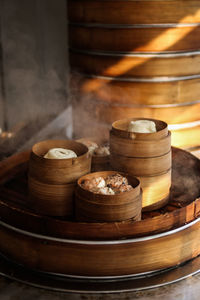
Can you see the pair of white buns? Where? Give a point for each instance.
(60, 153)
(142, 126)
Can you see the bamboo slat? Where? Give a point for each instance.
(150, 39)
(155, 12)
(135, 65)
(156, 92)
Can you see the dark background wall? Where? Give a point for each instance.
(33, 62)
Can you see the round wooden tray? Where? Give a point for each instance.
(164, 238)
(19, 273)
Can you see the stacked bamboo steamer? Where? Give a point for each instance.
(146, 156)
(52, 182)
(139, 59)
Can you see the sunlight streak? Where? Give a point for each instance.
(124, 64)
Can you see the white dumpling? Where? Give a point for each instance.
(142, 126)
(60, 153)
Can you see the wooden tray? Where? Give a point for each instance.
(101, 249)
(67, 284)
(182, 208)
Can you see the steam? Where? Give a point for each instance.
(86, 119)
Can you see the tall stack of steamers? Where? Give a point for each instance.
(145, 155)
(136, 59)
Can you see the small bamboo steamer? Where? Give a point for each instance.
(145, 155)
(52, 181)
(119, 128)
(59, 171)
(99, 162)
(92, 207)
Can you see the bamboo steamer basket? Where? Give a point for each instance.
(100, 258)
(142, 166)
(147, 156)
(52, 181)
(133, 64)
(128, 147)
(151, 64)
(93, 207)
(99, 162)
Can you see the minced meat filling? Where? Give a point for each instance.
(110, 185)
